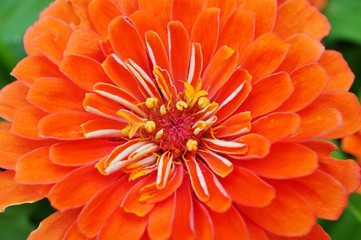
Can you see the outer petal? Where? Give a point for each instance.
(296, 16)
(352, 144)
(256, 193)
(78, 187)
(55, 226)
(285, 160)
(83, 71)
(13, 193)
(121, 223)
(268, 94)
(316, 232)
(161, 9)
(192, 8)
(341, 76)
(43, 171)
(203, 225)
(287, 215)
(12, 98)
(229, 225)
(264, 55)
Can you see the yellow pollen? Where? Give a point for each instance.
(159, 135)
(163, 110)
(192, 145)
(203, 102)
(149, 126)
(151, 103)
(181, 105)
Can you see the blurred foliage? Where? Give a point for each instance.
(17, 15)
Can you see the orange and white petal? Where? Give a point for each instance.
(217, 163)
(164, 168)
(258, 146)
(157, 50)
(225, 147)
(102, 128)
(235, 125)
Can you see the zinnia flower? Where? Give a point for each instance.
(179, 119)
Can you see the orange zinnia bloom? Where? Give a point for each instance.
(179, 119)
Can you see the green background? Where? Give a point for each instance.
(17, 15)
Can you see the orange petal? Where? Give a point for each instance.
(47, 25)
(352, 144)
(264, 55)
(101, 106)
(131, 202)
(220, 69)
(285, 160)
(157, 50)
(310, 48)
(287, 215)
(13, 147)
(61, 10)
(183, 224)
(219, 200)
(196, 176)
(74, 232)
(55, 226)
(78, 187)
(83, 71)
(256, 193)
(102, 128)
(234, 36)
(121, 76)
(124, 225)
(258, 146)
(55, 95)
(85, 42)
(316, 121)
(256, 232)
(12, 98)
(218, 164)
(122, 33)
(205, 31)
(101, 13)
(349, 108)
(145, 21)
(306, 88)
(232, 94)
(341, 76)
(345, 171)
(226, 8)
(179, 50)
(225, 147)
(192, 8)
(43, 171)
(14, 193)
(229, 225)
(127, 7)
(33, 67)
(51, 45)
(160, 9)
(297, 16)
(268, 94)
(101, 205)
(151, 194)
(323, 192)
(235, 125)
(25, 122)
(265, 13)
(276, 126)
(316, 232)
(203, 227)
(161, 219)
(78, 153)
(63, 125)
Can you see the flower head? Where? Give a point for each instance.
(179, 119)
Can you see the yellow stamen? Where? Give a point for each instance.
(163, 110)
(149, 126)
(181, 105)
(203, 102)
(151, 103)
(192, 145)
(159, 135)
